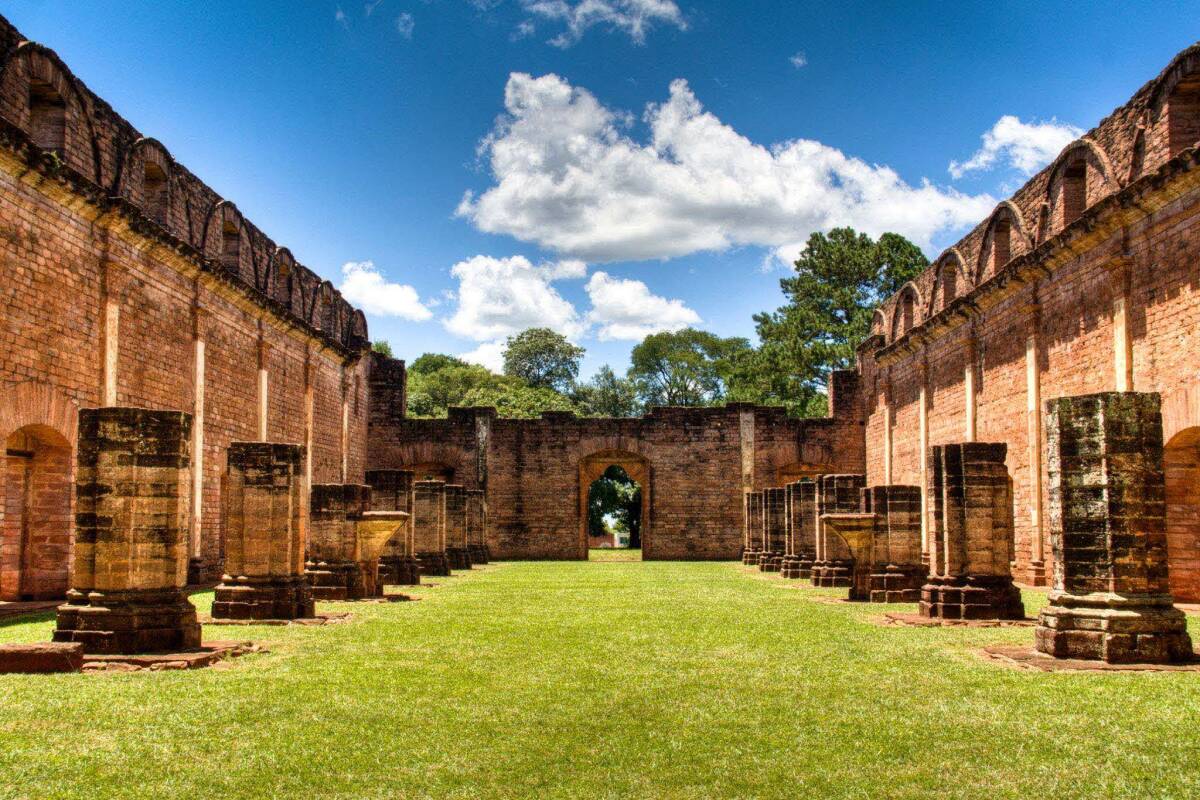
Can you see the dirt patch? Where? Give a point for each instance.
(1025, 657)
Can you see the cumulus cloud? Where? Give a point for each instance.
(634, 17)
(364, 286)
(487, 354)
(405, 24)
(568, 176)
(626, 309)
(1025, 146)
(498, 297)
(799, 60)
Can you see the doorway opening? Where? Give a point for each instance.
(1181, 464)
(35, 534)
(614, 519)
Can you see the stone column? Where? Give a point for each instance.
(836, 494)
(332, 566)
(1118, 280)
(116, 285)
(754, 527)
(856, 533)
(749, 548)
(1033, 411)
(1110, 600)
(969, 387)
(923, 443)
(971, 534)
(774, 528)
(197, 569)
(310, 384)
(391, 490)
(457, 552)
(264, 405)
(262, 498)
(133, 500)
(429, 527)
(896, 572)
(802, 529)
(477, 526)
(887, 430)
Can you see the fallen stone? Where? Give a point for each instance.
(41, 657)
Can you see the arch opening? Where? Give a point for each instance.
(35, 533)
(1181, 466)
(614, 513)
(1183, 114)
(47, 117)
(154, 192)
(231, 247)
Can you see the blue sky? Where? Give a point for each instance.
(467, 168)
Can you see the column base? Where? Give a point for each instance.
(200, 573)
(281, 597)
(1035, 574)
(971, 597)
(399, 571)
(458, 557)
(769, 561)
(128, 622)
(896, 584)
(835, 574)
(1117, 629)
(433, 563)
(750, 557)
(789, 567)
(343, 580)
(478, 553)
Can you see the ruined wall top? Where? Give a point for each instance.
(1134, 149)
(53, 122)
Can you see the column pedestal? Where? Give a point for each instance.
(275, 597)
(129, 621)
(971, 597)
(1132, 629)
(433, 563)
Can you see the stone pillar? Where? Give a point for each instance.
(116, 285)
(971, 534)
(1033, 411)
(391, 490)
(310, 384)
(923, 443)
(373, 530)
(969, 388)
(836, 494)
(264, 404)
(1118, 279)
(856, 533)
(197, 569)
(477, 526)
(262, 499)
(332, 567)
(774, 528)
(1110, 599)
(754, 527)
(457, 552)
(801, 529)
(133, 499)
(887, 431)
(749, 548)
(429, 527)
(896, 572)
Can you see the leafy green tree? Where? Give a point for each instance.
(607, 395)
(383, 347)
(432, 362)
(839, 280)
(542, 358)
(514, 398)
(617, 497)
(438, 382)
(688, 367)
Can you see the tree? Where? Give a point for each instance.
(543, 359)
(438, 382)
(383, 347)
(432, 362)
(685, 368)
(615, 497)
(839, 279)
(607, 395)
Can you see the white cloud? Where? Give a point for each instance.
(1026, 146)
(340, 16)
(364, 286)
(498, 297)
(488, 354)
(370, 6)
(568, 177)
(799, 60)
(634, 17)
(405, 24)
(625, 309)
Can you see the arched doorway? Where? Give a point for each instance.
(629, 474)
(1181, 464)
(35, 533)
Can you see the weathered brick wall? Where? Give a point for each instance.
(694, 464)
(79, 232)
(1136, 238)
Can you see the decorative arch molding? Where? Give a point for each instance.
(1182, 66)
(1005, 211)
(1092, 151)
(222, 212)
(36, 403)
(907, 291)
(879, 323)
(42, 63)
(280, 277)
(628, 457)
(425, 454)
(949, 260)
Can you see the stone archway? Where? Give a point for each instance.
(38, 431)
(637, 467)
(1181, 465)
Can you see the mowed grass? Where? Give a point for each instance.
(602, 680)
(615, 554)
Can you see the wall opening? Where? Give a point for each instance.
(1183, 114)
(154, 192)
(431, 471)
(1074, 191)
(949, 285)
(231, 247)
(1181, 464)
(614, 513)
(35, 535)
(1001, 246)
(47, 117)
(902, 323)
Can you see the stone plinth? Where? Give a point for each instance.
(373, 530)
(774, 529)
(857, 533)
(332, 566)
(391, 490)
(262, 499)
(457, 552)
(133, 504)
(896, 572)
(836, 494)
(801, 542)
(1110, 599)
(41, 657)
(752, 540)
(429, 527)
(477, 526)
(970, 534)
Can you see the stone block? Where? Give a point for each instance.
(41, 657)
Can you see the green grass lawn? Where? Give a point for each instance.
(602, 680)
(615, 554)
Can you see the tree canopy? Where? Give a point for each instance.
(688, 367)
(543, 359)
(615, 498)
